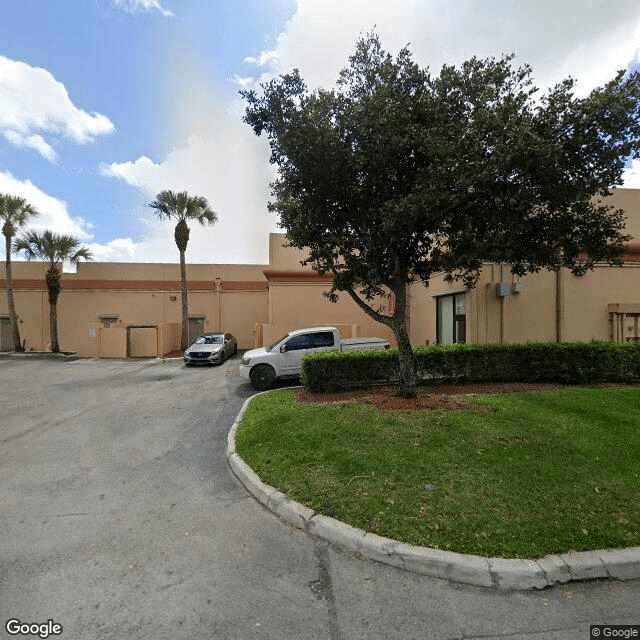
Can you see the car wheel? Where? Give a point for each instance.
(262, 377)
(222, 358)
(235, 349)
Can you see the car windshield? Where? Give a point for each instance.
(209, 340)
(278, 341)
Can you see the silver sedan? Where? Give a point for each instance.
(211, 348)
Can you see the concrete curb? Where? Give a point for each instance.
(27, 355)
(496, 573)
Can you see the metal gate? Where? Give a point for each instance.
(142, 342)
(6, 335)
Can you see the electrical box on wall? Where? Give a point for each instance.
(502, 289)
(517, 287)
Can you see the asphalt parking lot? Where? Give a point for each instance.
(121, 519)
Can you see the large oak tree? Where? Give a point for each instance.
(397, 174)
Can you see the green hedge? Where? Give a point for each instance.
(567, 363)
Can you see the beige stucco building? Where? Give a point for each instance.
(120, 310)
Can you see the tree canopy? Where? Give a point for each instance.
(397, 174)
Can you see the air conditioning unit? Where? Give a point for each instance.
(502, 289)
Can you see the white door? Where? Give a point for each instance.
(297, 346)
(291, 353)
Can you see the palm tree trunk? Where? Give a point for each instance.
(184, 338)
(17, 343)
(53, 326)
(53, 285)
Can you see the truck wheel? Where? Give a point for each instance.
(262, 377)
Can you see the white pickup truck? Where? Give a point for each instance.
(265, 365)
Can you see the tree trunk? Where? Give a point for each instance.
(407, 384)
(17, 343)
(53, 285)
(53, 326)
(181, 235)
(407, 387)
(184, 337)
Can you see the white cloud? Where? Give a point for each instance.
(243, 82)
(33, 104)
(139, 6)
(631, 176)
(137, 173)
(119, 250)
(266, 57)
(219, 157)
(589, 40)
(33, 141)
(54, 214)
(232, 172)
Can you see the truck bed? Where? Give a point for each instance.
(362, 344)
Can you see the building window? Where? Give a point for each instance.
(451, 319)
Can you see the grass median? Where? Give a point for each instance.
(520, 475)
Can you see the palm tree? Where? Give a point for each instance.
(183, 207)
(14, 212)
(54, 249)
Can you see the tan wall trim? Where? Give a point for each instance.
(273, 275)
(624, 307)
(632, 252)
(141, 285)
(245, 286)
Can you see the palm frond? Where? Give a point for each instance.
(14, 211)
(181, 206)
(51, 247)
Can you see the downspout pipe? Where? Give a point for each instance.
(218, 282)
(559, 306)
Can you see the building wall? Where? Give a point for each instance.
(262, 302)
(297, 305)
(229, 297)
(549, 307)
(297, 300)
(531, 315)
(587, 298)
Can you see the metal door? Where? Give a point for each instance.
(196, 328)
(6, 335)
(143, 342)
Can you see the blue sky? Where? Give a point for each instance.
(103, 103)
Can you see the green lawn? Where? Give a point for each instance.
(540, 472)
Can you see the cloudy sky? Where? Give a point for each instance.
(104, 103)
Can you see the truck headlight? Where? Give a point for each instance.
(245, 361)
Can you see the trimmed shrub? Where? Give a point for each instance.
(566, 363)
